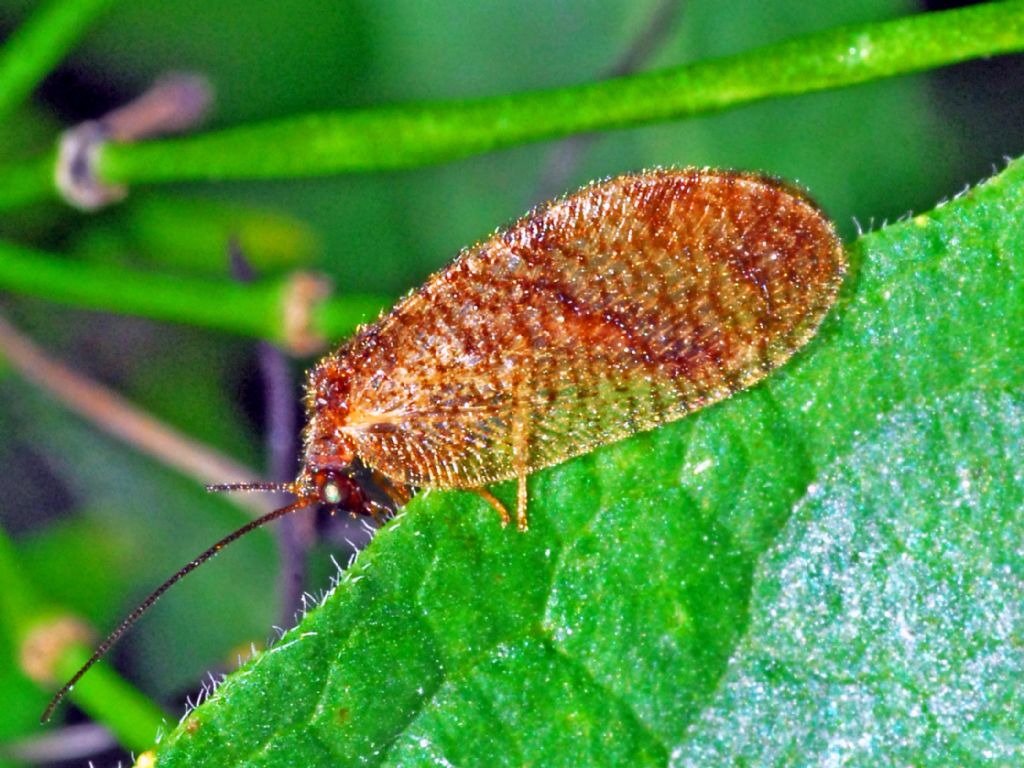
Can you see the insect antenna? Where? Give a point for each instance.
(269, 487)
(135, 615)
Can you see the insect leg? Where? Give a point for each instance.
(521, 501)
(491, 499)
(378, 512)
(520, 463)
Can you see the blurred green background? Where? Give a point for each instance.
(99, 525)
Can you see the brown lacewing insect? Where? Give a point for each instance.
(623, 306)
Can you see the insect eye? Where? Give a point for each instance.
(331, 492)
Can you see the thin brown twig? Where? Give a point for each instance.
(295, 534)
(114, 415)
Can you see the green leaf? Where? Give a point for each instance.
(620, 629)
(887, 622)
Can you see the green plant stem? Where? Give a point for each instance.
(26, 183)
(17, 601)
(39, 43)
(407, 136)
(414, 135)
(110, 700)
(256, 309)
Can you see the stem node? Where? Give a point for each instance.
(47, 642)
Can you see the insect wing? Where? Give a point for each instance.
(621, 307)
